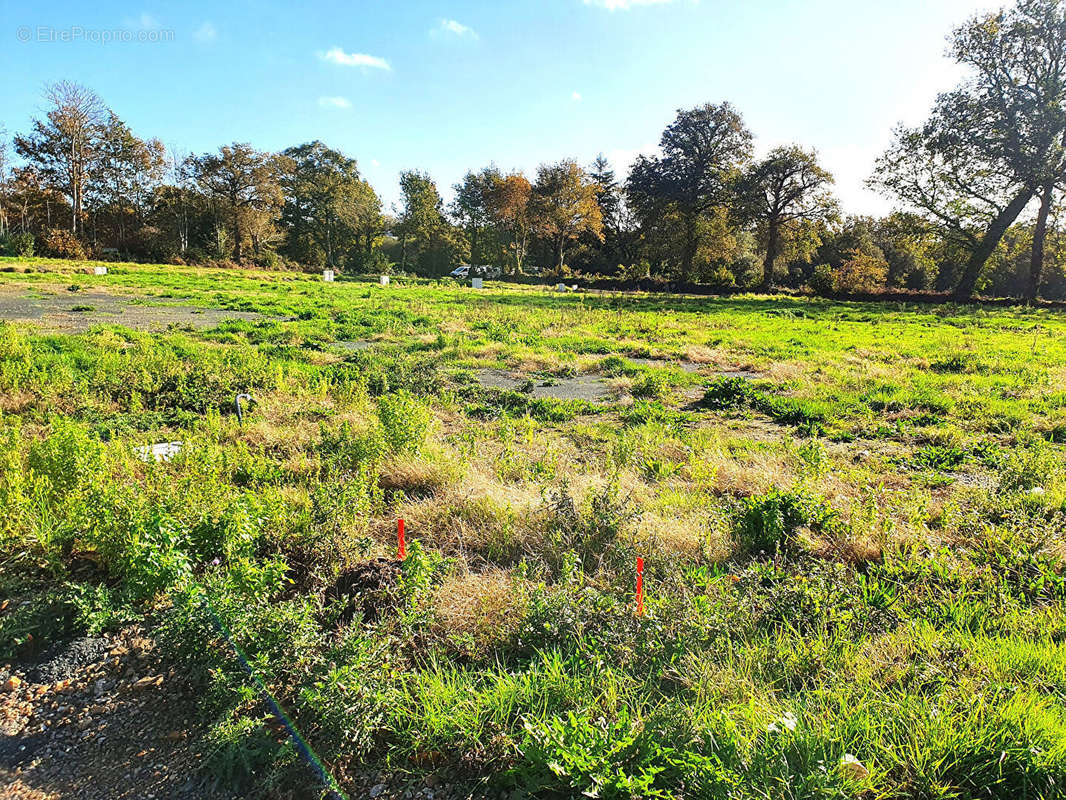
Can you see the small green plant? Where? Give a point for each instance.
(769, 523)
(651, 386)
(939, 457)
(404, 422)
(730, 393)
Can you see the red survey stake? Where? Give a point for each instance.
(640, 586)
(401, 542)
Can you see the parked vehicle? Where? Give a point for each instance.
(486, 271)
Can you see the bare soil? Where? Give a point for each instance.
(56, 311)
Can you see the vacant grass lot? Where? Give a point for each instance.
(851, 517)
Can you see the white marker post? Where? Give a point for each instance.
(476, 283)
(99, 270)
(327, 275)
(384, 280)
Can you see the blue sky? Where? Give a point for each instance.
(450, 86)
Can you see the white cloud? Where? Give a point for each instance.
(623, 5)
(337, 56)
(334, 102)
(206, 33)
(455, 28)
(144, 22)
(375, 162)
(575, 96)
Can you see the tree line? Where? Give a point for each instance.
(977, 185)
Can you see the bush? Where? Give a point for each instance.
(404, 422)
(861, 273)
(768, 523)
(635, 272)
(730, 393)
(17, 244)
(821, 280)
(60, 243)
(268, 259)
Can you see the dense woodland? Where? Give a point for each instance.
(977, 186)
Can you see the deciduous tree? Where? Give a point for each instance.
(64, 145)
(990, 145)
(564, 205)
(703, 151)
(327, 203)
(787, 186)
(508, 206)
(245, 183)
(420, 216)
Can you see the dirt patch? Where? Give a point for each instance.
(355, 346)
(368, 589)
(63, 661)
(76, 312)
(659, 363)
(590, 388)
(101, 717)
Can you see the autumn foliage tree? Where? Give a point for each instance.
(508, 207)
(564, 206)
(245, 184)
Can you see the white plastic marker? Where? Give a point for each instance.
(477, 283)
(384, 280)
(327, 275)
(163, 451)
(99, 270)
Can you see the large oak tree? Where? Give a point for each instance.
(787, 186)
(703, 151)
(245, 184)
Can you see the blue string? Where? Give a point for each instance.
(301, 745)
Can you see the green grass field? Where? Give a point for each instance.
(851, 514)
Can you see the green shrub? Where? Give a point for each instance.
(404, 422)
(939, 457)
(267, 259)
(19, 245)
(768, 523)
(730, 393)
(613, 757)
(821, 280)
(591, 532)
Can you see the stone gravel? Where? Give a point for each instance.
(100, 718)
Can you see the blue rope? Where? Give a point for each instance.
(301, 745)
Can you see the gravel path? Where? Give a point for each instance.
(100, 718)
(105, 718)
